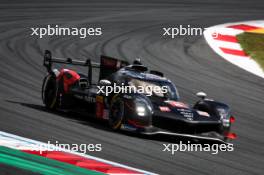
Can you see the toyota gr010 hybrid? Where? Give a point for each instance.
(155, 113)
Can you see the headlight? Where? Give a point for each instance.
(142, 106)
(141, 111)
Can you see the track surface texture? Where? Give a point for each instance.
(132, 29)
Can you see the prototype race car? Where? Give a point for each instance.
(147, 112)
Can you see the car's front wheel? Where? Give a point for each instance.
(116, 115)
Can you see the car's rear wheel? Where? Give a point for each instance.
(116, 114)
(50, 91)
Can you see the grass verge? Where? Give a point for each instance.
(253, 45)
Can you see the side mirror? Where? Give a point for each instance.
(104, 82)
(201, 95)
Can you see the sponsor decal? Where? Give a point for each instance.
(164, 109)
(202, 113)
(177, 104)
(187, 115)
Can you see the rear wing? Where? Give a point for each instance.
(49, 60)
(108, 65)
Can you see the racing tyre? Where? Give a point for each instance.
(50, 91)
(116, 114)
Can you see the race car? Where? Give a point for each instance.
(159, 111)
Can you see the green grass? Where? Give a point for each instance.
(253, 45)
(39, 164)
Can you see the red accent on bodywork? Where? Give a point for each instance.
(134, 123)
(69, 77)
(232, 119)
(99, 107)
(231, 135)
(99, 110)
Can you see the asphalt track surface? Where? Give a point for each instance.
(132, 29)
(7, 170)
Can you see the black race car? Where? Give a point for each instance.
(149, 112)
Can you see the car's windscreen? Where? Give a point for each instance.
(162, 89)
